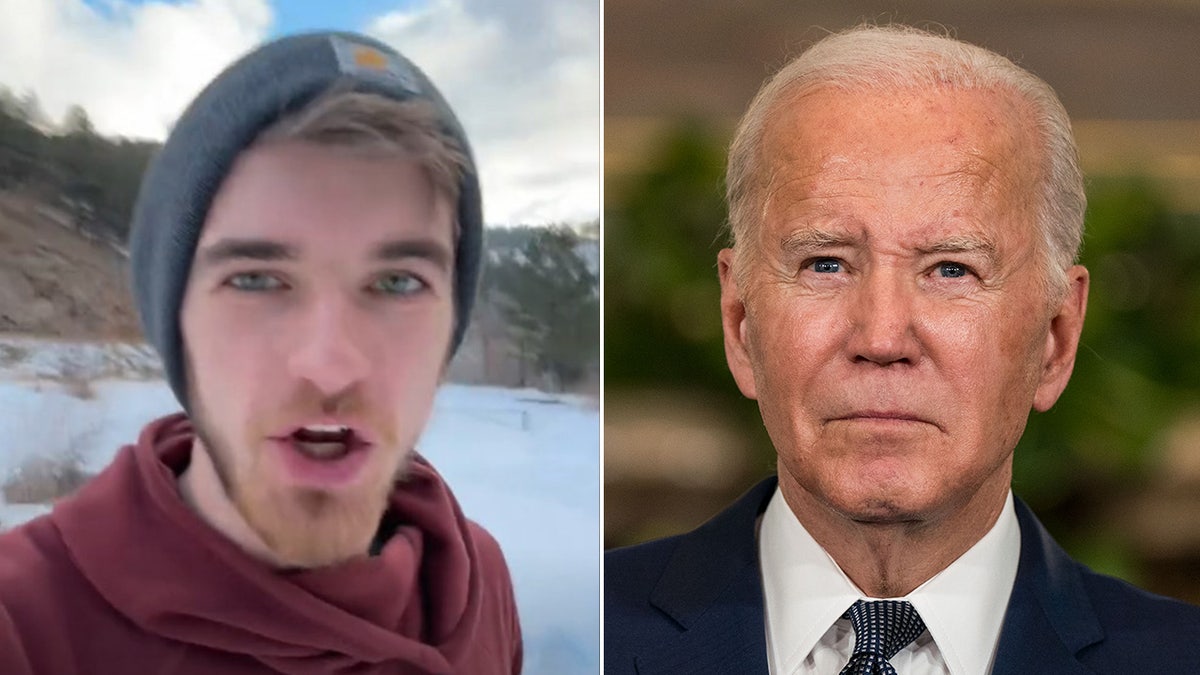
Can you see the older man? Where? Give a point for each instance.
(900, 291)
(305, 251)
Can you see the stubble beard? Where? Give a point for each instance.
(303, 528)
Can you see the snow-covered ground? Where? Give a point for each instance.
(524, 464)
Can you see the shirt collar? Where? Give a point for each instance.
(963, 606)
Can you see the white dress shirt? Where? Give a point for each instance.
(806, 594)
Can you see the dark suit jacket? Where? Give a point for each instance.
(693, 604)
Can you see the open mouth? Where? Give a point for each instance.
(322, 456)
(325, 442)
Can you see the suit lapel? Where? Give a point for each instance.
(712, 588)
(1049, 617)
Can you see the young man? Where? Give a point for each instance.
(305, 251)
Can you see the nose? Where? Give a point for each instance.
(882, 321)
(328, 351)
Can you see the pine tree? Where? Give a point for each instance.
(549, 297)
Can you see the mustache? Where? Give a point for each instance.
(305, 402)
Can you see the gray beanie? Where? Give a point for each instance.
(261, 87)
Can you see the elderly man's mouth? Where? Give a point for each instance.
(885, 418)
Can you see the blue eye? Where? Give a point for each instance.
(254, 282)
(826, 266)
(952, 270)
(398, 284)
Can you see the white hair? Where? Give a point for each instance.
(871, 57)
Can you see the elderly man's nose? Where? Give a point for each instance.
(327, 349)
(881, 318)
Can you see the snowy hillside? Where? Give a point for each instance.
(522, 463)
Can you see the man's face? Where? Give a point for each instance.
(894, 324)
(320, 294)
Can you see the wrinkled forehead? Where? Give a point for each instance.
(826, 125)
(973, 141)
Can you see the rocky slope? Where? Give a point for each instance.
(57, 280)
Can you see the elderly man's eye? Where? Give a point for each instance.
(398, 284)
(826, 265)
(952, 270)
(254, 282)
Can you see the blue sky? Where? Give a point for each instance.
(294, 16)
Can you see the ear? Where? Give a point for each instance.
(733, 324)
(1062, 341)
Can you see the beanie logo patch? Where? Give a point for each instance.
(362, 60)
(366, 57)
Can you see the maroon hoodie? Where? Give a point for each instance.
(124, 578)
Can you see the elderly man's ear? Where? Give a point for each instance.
(733, 323)
(1062, 340)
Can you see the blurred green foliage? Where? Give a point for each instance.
(660, 268)
(662, 324)
(1136, 373)
(1137, 370)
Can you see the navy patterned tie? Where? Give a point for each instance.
(881, 629)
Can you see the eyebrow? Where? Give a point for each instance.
(228, 250)
(431, 250)
(808, 240)
(964, 244)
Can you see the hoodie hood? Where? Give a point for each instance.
(416, 604)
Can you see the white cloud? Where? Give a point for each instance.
(524, 79)
(132, 67)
